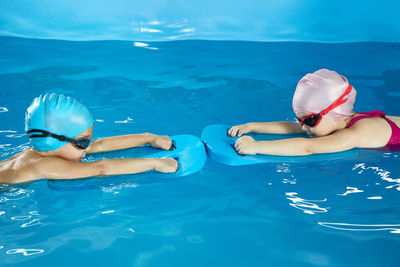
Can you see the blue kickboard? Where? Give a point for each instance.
(221, 148)
(188, 150)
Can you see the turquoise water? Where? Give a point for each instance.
(331, 213)
(253, 20)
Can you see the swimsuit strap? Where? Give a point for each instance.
(370, 114)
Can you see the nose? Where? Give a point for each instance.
(304, 128)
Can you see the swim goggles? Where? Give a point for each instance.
(81, 143)
(313, 119)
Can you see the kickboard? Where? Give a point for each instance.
(188, 150)
(221, 148)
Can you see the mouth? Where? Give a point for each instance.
(311, 134)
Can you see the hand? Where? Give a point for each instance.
(239, 130)
(246, 145)
(162, 141)
(166, 165)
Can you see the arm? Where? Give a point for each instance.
(339, 141)
(56, 168)
(279, 127)
(128, 141)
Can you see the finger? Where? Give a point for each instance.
(238, 146)
(237, 149)
(237, 143)
(168, 145)
(232, 132)
(165, 147)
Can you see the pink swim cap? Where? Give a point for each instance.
(317, 91)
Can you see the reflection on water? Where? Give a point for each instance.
(376, 197)
(32, 217)
(25, 252)
(8, 150)
(383, 174)
(351, 190)
(393, 228)
(128, 120)
(14, 193)
(144, 45)
(307, 206)
(115, 189)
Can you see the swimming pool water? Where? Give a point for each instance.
(330, 213)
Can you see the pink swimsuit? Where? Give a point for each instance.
(394, 139)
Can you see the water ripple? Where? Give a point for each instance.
(15, 194)
(9, 149)
(305, 205)
(128, 120)
(117, 188)
(3, 109)
(31, 223)
(393, 228)
(383, 174)
(351, 190)
(15, 135)
(25, 252)
(144, 45)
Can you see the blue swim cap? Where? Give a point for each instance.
(56, 114)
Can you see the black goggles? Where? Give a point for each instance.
(310, 120)
(82, 142)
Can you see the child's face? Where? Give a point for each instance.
(71, 152)
(324, 127)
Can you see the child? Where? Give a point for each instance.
(323, 103)
(60, 130)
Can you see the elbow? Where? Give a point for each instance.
(307, 149)
(307, 152)
(102, 168)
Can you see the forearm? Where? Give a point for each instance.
(121, 142)
(285, 147)
(126, 166)
(279, 127)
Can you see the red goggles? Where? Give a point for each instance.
(314, 119)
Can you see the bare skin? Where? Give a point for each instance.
(331, 136)
(64, 163)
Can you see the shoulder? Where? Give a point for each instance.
(30, 165)
(21, 165)
(377, 123)
(372, 132)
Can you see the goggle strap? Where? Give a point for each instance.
(82, 144)
(338, 102)
(48, 134)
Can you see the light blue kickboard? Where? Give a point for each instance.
(188, 150)
(220, 147)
